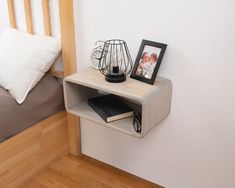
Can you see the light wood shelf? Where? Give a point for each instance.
(152, 101)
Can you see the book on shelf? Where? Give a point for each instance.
(110, 107)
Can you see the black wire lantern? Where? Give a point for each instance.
(115, 62)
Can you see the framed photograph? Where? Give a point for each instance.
(148, 61)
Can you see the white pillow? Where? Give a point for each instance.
(24, 59)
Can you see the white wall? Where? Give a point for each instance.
(194, 146)
(3, 15)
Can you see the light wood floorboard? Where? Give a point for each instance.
(84, 172)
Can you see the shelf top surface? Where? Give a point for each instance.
(133, 88)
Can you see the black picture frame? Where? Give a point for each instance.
(153, 53)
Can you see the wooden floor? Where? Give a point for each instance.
(84, 172)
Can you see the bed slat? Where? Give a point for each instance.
(28, 16)
(46, 17)
(47, 30)
(69, 59)
(11, 9)
(67, 36)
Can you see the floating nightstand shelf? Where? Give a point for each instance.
(152, 101)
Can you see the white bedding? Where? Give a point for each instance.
(24, 59)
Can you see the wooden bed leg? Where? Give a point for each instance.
(74, 134)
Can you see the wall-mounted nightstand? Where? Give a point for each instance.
(152, 101)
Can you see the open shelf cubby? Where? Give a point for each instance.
(152, 101)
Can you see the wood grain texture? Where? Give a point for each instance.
(153, 101)
(32, 150)
(84, 172)
(46, 17)
(11, 10)
(57, 74)
(69, 59)
(67, 36)
(74, 134)
(28, 16)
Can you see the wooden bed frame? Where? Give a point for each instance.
(35, 148)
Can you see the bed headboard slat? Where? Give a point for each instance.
(11, 10)
(47, 30)
(67, 36)
(67, 30)
(28, 16)
(46, 17)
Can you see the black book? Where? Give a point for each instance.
(110, 108)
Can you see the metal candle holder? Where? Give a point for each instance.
(115, 62)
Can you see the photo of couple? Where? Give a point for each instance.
(148, 62)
